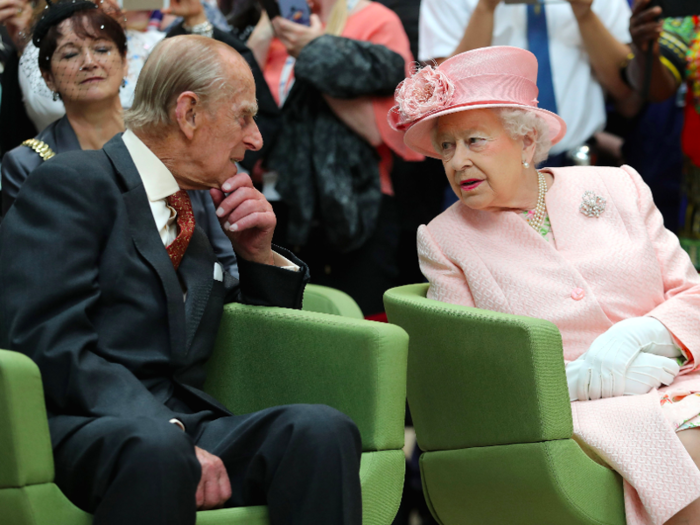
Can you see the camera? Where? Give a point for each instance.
(677, 8)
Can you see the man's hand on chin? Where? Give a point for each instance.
(214, 487)
(246, 217)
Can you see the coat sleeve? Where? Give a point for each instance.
(447, 281)
(680, 312)
(345, 68)
(51, 286)
(16, 166)
(267, 285)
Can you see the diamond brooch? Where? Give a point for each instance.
(592, 205)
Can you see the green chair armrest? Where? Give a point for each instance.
(266, 357)
(327, 300)
(26, 457)
(480, 378)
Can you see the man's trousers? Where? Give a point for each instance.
(302, 461)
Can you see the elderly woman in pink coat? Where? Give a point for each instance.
(583, 247)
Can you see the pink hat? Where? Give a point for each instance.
(488, 77)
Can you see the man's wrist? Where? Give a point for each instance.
(261, 258)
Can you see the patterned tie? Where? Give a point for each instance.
(538, 42)
(180, 202)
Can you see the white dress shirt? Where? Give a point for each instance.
(160, 184)
(580, 98)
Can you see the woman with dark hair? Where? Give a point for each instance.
(82, 58)
(141, 38)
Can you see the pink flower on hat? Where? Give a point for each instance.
(426, 91)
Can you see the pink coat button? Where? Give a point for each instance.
(578, 294)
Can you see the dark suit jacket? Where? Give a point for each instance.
(87, 290)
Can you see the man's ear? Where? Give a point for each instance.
(529, 146)
(188, 113)
(48, 78)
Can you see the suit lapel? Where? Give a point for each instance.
(147, 240)
(197, 272)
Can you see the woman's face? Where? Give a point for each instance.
(484, 165)
(85, 69)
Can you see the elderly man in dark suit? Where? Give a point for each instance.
(107, 283)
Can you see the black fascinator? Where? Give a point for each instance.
(55, 13)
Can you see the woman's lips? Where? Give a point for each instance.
(471, 184)
(91, 80)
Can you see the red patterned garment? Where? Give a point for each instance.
(180, 202)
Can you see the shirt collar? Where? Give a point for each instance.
(158, 182)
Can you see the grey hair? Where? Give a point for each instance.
(176, 65)
(519, 122)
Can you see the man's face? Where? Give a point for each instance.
(227, 131)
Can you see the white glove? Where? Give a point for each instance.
(601, 372)
(577, 372)
(650, 371)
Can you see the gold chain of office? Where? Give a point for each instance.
(42, 148)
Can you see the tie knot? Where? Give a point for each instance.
(180, 202)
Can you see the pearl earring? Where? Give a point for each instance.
(526, 164)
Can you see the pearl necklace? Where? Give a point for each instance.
(537, 218)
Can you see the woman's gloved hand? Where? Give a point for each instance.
(650, 371)
(602, 371)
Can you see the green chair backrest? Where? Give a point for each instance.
(26, 457)
(512, 365)
(285, 356)
(327, 300)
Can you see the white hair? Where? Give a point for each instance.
(176, 65)
(519, 123)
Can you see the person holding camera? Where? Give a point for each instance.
(579, 45)
(675, 60)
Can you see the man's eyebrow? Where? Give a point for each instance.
(249, 111)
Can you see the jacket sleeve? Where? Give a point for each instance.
(266, 285)
(16, 166)
(680, 312)
(346, 68)
(268, 118)
(447, 281)
(49, 288)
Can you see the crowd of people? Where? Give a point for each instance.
(537, 159)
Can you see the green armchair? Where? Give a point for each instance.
(327, 300)
(490, 406)
(280, 356)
